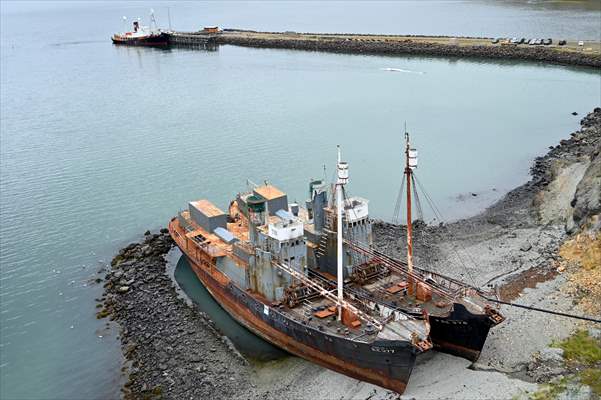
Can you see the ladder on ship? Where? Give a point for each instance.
(323, 239)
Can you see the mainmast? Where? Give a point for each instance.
(153, 21)
(342, 179)
(410, 165)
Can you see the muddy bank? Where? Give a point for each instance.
(408, 45)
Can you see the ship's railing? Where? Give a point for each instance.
(198, 241)
(443, 285)
(243, 250)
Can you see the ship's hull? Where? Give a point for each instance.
(155, 40)
(387, 363)
(461, 333)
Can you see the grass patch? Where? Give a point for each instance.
(592, 377)
(580, 348)
(551, 390)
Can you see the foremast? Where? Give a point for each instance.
(342, 179)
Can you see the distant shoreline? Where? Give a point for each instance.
(587, 55)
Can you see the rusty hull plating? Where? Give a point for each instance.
(239, 269)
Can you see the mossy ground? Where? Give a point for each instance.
(582, 355)
(551, 390)
(592, 377)
(580, 348)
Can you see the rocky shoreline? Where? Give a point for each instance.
(172, 349)
(378, 45)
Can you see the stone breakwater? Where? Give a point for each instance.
(356, 44)
(171, 349)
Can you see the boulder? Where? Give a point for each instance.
(587, 199)
(526, 246)
(594, 333)
(551, 354)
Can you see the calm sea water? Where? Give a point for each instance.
(253, 347)
(99, 143)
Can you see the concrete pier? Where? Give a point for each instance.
(192, 39)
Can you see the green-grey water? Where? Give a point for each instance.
(99, 143)
(245, 341)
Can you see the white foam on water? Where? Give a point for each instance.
(402, 70)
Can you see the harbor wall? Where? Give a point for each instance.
(363, 44)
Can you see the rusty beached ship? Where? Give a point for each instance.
(309, 280)
(253, 261)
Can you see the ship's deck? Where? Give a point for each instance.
(318, 312)
(322, 314)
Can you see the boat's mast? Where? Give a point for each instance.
(409, 226)
(342, 169)
(153, 21)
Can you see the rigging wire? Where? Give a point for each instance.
(439, 215)
(530, 308)
(398, 264)
(420, 214)
(399, 200)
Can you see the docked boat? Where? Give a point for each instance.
(142, 35)
(459, 315)
(253, 260)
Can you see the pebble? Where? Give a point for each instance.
(526, 246)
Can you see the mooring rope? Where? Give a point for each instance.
(561, 314)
